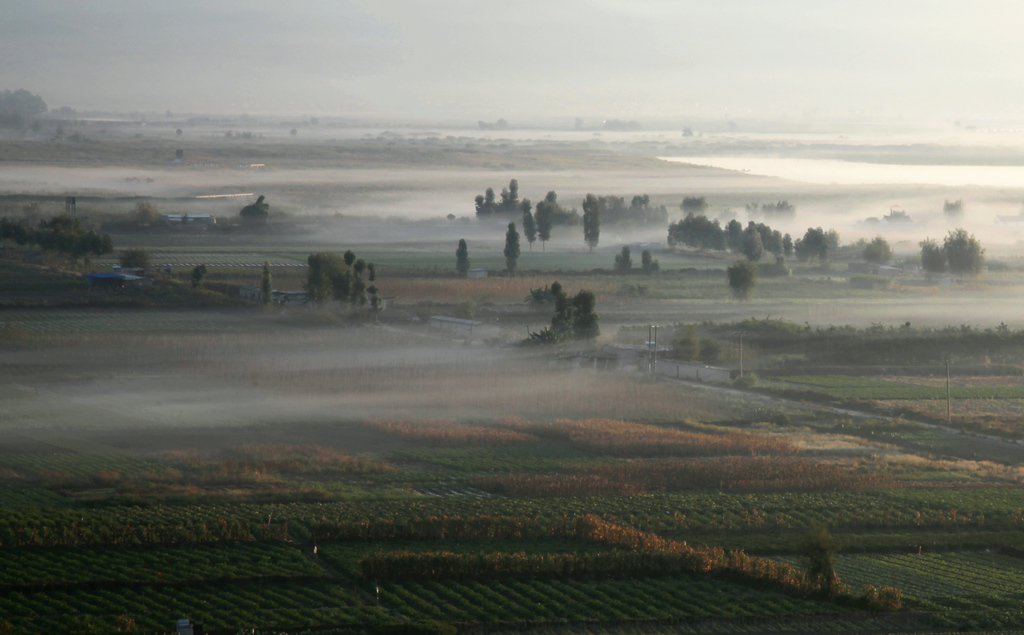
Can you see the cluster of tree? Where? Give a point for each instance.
(961, 254)
(624, 261)
(779, 208)
(953, 209)
(614, 211)
(255, 213)
(537, 224)
(486, 203)
(816, 243)
(63, 235)
(18, 107)
(700, 232)
(574, 317)
(341, 278)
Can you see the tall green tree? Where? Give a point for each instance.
(198, 276)
(545, 220)
(529, 224)
(647, 263)
(685, 344)
(462, 257)
(591, 221)
(933, 258)
(511, 248)
(878, 251)
(819, 551)
(328, 276)
(753, 247)
(624, 260)
(742, 277)
(562, 320)
(964, 254)
(266, 284)
(135, 258)
(814, 244)
(586, 323)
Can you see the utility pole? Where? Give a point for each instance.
(949, 418)
(650, 331)
(654, 366)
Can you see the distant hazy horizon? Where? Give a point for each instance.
(794, 60)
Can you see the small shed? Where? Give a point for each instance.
(694, 371)
(476, 273)
(251, 294)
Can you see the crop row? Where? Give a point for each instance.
(40, 567)
(549, 600)
(231, 606)
(989, 508)
(752, 474)
(930, 575)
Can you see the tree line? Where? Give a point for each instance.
(342, 277)
(63, 235)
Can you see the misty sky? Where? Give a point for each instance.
(486, 59)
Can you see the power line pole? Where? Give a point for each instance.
(741, 334)
(654, 367)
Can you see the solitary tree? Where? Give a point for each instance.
(953, 209)
(933, 258)
(529, 224)
(742, 276)
(349, 257)
(134, 258)
(145, 213)
(462, 257)
(198, 276)
(591, 221)
(819, 551)
(623, 260)
(964, 254)
(255, 213)
(511, 248)
(266, 284)
(878, 251)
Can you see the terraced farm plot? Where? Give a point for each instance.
(232, 606)
(935, 575)
(150, 565)
(526, 600)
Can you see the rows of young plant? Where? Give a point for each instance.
(151, 565)
(229, 606)
(74, 466)
(28, 497)
(932, 574)
(550, 600)
(751, 474)
(982, 508)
